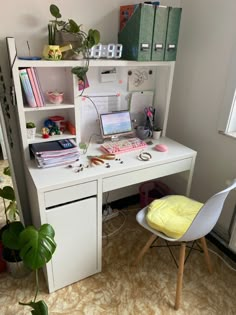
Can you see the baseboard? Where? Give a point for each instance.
(212, 237)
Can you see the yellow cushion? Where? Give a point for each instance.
(172, 215)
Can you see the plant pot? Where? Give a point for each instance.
(54, 52)
(65, 38)
(156, 134)
(31, 132)
(2, 261)
(17, 269)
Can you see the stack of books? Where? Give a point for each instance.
(31, 87)
(55, 153)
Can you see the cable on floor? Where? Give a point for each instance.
(118, 229)
(224, 261)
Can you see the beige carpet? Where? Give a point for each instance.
(121, 289)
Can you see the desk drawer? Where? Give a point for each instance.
(68, 194)
(142, 175)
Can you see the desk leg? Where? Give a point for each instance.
(99, 226)
(190, 177)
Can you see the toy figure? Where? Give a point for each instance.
(45, 132)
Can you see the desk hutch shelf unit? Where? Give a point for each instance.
(56, 75)
(72, 202)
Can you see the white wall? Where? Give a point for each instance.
(206, 40)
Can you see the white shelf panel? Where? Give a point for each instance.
(39, 138)
(92, 63)
(49, 107)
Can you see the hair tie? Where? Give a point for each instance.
(144, 156)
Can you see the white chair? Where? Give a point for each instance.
(201, 225)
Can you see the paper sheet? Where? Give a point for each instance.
(140, 80)
(91, 109)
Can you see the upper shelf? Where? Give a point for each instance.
(92, 63)
(15, 62)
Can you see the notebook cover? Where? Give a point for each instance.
(50, 147)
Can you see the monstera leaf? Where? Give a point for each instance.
(7, 192)
(37, 246)
(39, 308)
(10, 236)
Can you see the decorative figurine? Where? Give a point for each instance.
(45, 132)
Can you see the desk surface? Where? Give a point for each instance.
(56, 177)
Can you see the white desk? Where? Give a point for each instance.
(72, 203)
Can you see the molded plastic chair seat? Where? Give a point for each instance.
(202, 223)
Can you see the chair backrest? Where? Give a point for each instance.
(208, 215)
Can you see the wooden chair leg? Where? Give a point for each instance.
(206, 254)
(145, 248)
(180, 276)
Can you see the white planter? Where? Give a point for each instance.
(156, 134)
(31, 132)
(17, 269)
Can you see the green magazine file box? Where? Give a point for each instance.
(172, 33)
(159, 33)
(136, 35)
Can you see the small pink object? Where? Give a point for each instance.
(55, 97)
(161, 147)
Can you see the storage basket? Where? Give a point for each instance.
(152, 190)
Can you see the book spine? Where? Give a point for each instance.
(41, 95)
(34, 86)
(27, 88)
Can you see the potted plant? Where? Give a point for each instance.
(11, 213)
(31, 130)
(69, 32)
(35, 248)
(25, 246)
(156, 133)
(11, 257)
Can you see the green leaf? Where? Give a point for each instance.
(12, 211)
(93, 38)
(37, 246)
(7, 171)
(7, 192)
(80, 72)
(10, 237)
(73, 27)
(39, 308)
(54, 10)
(83, 146)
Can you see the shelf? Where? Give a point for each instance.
(92, 63)
(38, 138)
(49, 107)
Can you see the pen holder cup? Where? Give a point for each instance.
(142, 132)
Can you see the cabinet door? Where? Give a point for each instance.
(75, 227)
